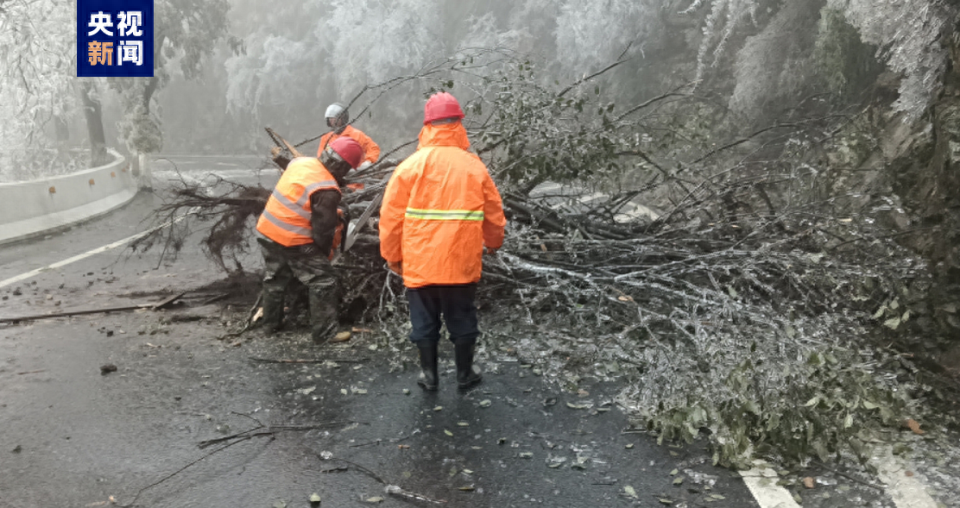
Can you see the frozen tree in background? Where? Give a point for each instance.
(908, 33)
(370, 41)
(773, 66)
(36, 78)
(592, 33)
(720, 24)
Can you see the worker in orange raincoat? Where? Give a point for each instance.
(441, 210)
(338, 119)
(299, 230)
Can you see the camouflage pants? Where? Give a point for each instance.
(281, 266)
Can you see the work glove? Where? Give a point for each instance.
(489, 251)
(396, 267)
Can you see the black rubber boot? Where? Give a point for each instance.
(428, 367)
(467, 373)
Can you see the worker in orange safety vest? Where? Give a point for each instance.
(299, 230)
(338, 119)
(440, 212)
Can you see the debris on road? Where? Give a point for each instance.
(107, 368)
(163, 304)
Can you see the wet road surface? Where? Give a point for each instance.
(342, 427)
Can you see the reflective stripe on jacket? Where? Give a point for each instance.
(286, 218)
(371, 151)
(439, 210)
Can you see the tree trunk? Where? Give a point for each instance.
(94, 117)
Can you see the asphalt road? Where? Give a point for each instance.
(343, 428)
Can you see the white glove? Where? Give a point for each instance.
(365, 165)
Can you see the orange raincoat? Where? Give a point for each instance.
(440, 209)
(371, 151)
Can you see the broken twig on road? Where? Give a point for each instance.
(152, 306)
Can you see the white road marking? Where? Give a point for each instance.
(906, 491)
(98, 250)
(762, 483)
(74, 259)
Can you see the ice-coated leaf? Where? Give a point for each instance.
(485, 403)
(447, 432)
(374, 499)
(314, 498)
(630, 491)
(892, 323)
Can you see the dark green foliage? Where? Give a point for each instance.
(845, 64)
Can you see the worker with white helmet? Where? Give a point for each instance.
(338, 120)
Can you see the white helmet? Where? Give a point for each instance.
(337, 116)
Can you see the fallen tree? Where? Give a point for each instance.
(747, 310)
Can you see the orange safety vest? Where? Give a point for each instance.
(439, 210)
(286, 218)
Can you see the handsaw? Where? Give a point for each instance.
(362, 221)
(278, 139)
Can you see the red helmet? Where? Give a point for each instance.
(440, 106)
(348, 150)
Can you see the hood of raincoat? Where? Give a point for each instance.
(447, 134)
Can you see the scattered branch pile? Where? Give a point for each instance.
(747, 309)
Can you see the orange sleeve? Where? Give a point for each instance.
(392, 211)
(371, 150)
(323, 143)
(494, 221)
